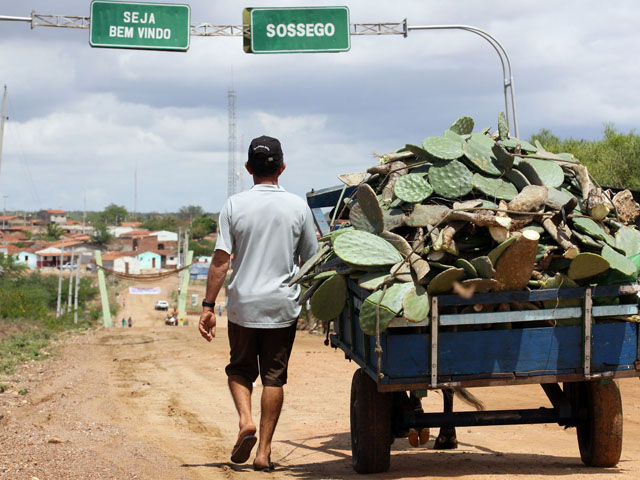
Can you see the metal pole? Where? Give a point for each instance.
(4, 210)
(15, 19)
(58, 307)
(75, 298)
(70, 297)
(504, 60)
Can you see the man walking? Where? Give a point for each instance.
(268, 231)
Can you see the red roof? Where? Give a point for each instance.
(108, 256)
(56, 212)
(6, 218)
(130, 224)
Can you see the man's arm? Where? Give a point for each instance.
(215, 280)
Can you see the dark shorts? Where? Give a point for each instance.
(260, 351)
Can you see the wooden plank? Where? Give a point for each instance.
(499, 382)
(615, 310)
(534, 295)
(510, 317)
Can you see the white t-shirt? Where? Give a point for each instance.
(266, 229)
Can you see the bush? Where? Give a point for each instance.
(613, 161)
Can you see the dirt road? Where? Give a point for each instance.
(150, 402)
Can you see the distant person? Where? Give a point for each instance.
(219, 309)
(123, 302)
(124, 322)
(267, 230)
(129, 322)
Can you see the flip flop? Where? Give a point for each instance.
(267, 468)
(242, 451)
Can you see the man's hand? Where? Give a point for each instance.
(207, 324)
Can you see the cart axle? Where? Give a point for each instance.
(487, 418)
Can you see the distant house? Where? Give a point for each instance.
(53, 216)
(199, 271)
(165, 236)
(127, 264)
(26, 257)
(50, 257)
(169, 258)
(149, 260)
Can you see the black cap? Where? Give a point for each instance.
(265, 148)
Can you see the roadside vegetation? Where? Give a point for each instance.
(28, 303)
(613, 160)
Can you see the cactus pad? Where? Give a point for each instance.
(549, 172)
(469, 270)
(484, 266)
(479, 152)
(592, 228)
(517, 178)
(416, 305)
(412, 188)
(372, 280)
(494, 255)
(443, 282)
(359, 220)
(524, 145)
(390, 307)
(442, 148)
(452, 180)
(425, 215)
(368, 201)
(330, 298)
(365, 249)
(628, 240)
(587, 265)
(618, 261)
(309, 264)
(503, 126)
(494, 187)
(462, 126)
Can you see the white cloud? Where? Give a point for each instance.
(82, 118)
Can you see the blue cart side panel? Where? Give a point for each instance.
(489, 353)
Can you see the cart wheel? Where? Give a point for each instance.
(600, 426)
(370, 425)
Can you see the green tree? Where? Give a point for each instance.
(165, 222)
(203, 226)
(54, 232)
(114, 214)
(101, 235)
(190, 212)
(613, 160)
(202, 248)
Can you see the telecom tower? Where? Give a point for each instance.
(231, 163)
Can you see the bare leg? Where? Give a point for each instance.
(271, 405)
(447, 437)
(241, 390)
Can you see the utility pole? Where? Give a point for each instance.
(70, 282)
(75, 301)
(4, 117)
(135, 192)
(58, 309)
(84, 211)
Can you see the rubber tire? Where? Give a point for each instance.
(600, 430)
(370, 425)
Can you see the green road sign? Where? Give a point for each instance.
(297, 30)
(148, 26)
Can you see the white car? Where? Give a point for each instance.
(162, 305)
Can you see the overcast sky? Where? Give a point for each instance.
(82, 118)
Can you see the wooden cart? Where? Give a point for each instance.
(576, 364)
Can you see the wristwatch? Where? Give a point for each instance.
(208, 304)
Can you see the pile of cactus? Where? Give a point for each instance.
(469, 213)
